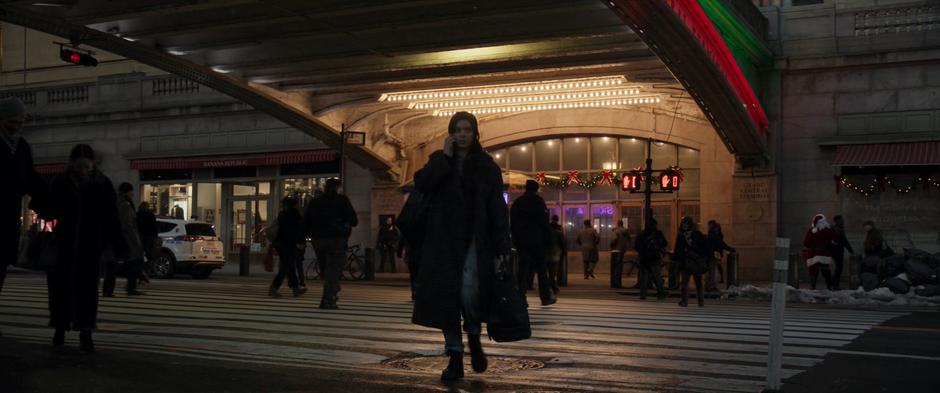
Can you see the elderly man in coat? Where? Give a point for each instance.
(18, 178)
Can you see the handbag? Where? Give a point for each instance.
(268, 259)
(508, 313)
(38, 251)
(413, 219)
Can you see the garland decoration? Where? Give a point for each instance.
(881, 182)
(573, 177)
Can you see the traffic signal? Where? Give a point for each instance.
(78, 58)
(669, 181)
(631, 181)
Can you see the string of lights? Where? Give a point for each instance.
(883, 182)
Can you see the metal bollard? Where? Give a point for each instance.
(561, 273)
(244, 259)
(616, 269)
(732, 270)
(370, 263)
(775, 350)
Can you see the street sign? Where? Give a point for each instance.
(356, 138)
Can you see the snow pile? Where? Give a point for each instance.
(880, 296)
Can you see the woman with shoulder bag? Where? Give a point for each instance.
(693, 254)
(819, 241)
(466, 240)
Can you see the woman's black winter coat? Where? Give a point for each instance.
(460, 209)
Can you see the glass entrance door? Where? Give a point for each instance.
(249, 220)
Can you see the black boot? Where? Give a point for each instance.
(454, 370)
(87, 345)
(477, 357)
(58, 339)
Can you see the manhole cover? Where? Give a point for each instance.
(497, 364)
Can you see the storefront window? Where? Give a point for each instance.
(664, 155)
(691, 186)
(520, 158)
(632, 153)
(576, 153)
(688, 158)
(302, 189)
(602, 217)
(500, 157)
(632, 217)
(574, 222)
(169, 200)
(547, 155)
(604, 153)
(209, 203)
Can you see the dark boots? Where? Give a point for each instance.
(86, 344)
(477, 357)
(454, 370)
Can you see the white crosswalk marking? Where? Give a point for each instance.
(586, 344)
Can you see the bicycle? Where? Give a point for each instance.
(353, 268)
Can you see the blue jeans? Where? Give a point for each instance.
(469, 301)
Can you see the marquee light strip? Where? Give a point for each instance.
(540, 107)
(504, 89)
(525, 99)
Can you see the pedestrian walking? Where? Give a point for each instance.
(84, 205)
(466, 237)
(619, 244)
(288, 241)
(127, 215)
(650, 245)
(838, 250)
(874, 244)
(329, 220)
(819, 242)
(386, 243)
(693, 255)
(557, 251)
(528, 219)
(18, 178)
(149, 237)
(716, 242)
(588, 239)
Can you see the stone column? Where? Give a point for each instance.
(754, 207)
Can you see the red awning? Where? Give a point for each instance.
(885, 154)
(228, 161)
(49, 169)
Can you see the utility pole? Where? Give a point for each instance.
(648, 186)
(342, 156)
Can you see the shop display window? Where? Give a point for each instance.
(169, 200)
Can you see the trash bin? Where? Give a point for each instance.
(244, 259)
(370, 264)
(616, 269)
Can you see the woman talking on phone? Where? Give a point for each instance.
(465, 241)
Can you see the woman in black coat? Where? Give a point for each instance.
(290, 236)
(692, 252)
(84, 205)
(466, 239)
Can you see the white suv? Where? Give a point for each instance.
(188, 247)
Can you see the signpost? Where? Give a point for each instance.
(669, 180)
(351, 137)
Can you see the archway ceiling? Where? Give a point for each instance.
(295, 59)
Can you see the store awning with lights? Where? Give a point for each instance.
(49, 169)
(888, 154)
(229, 161)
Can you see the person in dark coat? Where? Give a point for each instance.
(466, 240)
(650, 245)
(18, 178)
(290, 236)
(588, 239)
(716, 242)
(528, 219)
(838, 250)
(386, 242)
(84, 205)
(127, 215)
(690, 242)
(874, 241)
(557, 251)
(618, 247)
(329, 220)
(819, 242)
(149, 236)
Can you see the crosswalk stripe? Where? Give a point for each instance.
(587, 344)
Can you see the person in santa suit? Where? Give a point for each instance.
(819, 242)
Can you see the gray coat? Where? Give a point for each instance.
(460, 208)
(588, 240)
(127, 215)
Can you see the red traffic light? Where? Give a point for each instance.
(669, 181)
(78, 58)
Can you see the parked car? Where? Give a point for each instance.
(189, 247)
